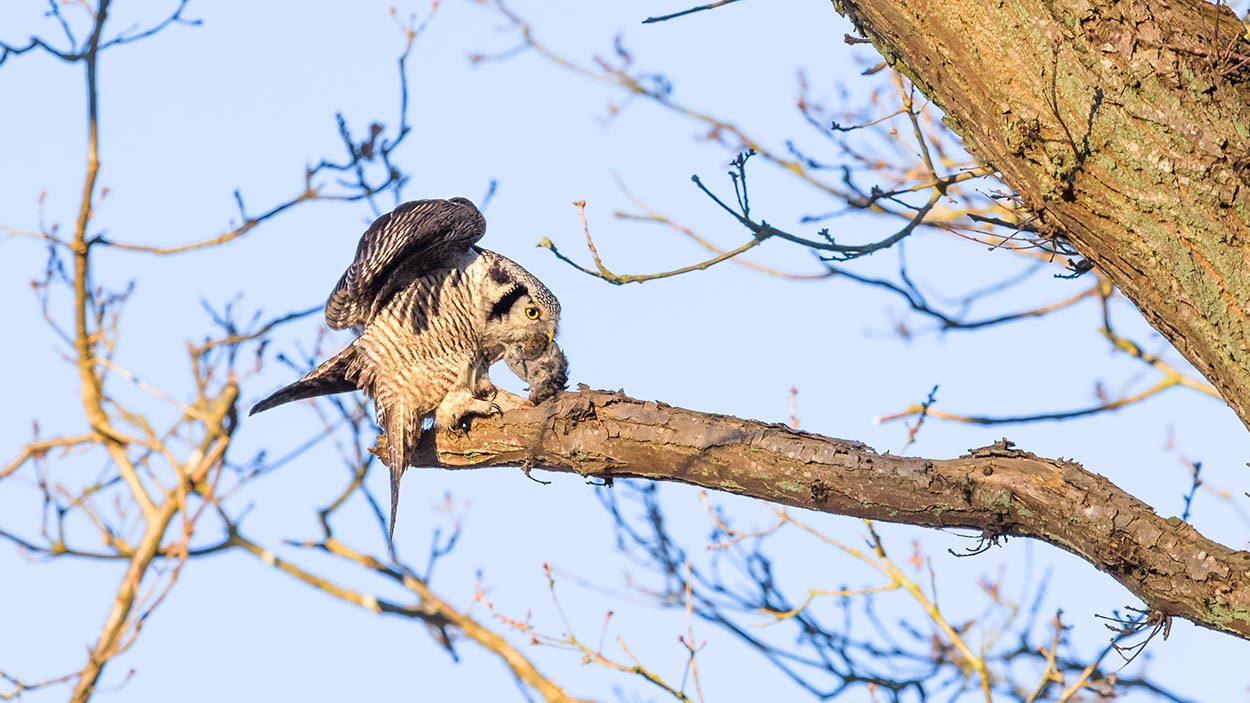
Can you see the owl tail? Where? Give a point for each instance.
(396, 474)
(403, 430)
(327, 379)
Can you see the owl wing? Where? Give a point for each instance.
(417, 237)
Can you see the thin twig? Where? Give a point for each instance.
(691, 11)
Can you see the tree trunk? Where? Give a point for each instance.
(998, 490)
(1125, 125)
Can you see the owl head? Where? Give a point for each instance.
(522, 316)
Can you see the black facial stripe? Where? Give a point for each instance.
(505, 303)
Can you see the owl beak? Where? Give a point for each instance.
(551, 335)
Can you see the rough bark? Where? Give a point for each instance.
(1125, 124)
(998, 490)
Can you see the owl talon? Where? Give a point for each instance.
(461, 405)
(485, 390)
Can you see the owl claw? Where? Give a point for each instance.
(459, 406)
(460, 425)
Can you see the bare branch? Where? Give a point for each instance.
(998, 490)
(620, 279)
(691, 11)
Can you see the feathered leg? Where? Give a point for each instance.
(459, 405)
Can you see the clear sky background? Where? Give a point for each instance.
(248, 98)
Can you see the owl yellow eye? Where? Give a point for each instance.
(531, 313)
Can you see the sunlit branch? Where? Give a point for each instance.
(606, 74)
(1171, 377)
(590, 655)
(112, 632)
(17, 687)
(151, 390)
(835, 251)
(718, 594)
(249, 223)
(812, 594)
(948, 322)
(1108, 406)
(122, 625)
(883, 564)
(153, 565)
(119, 549)
(908, 97)
(1192, 468)
(760, 230)
(975, 661)
(39, 449)
(235, 338)
(913, 430)
(1170, 373)
(430, 608)
(376, 148)
(652, 216)
(41, 236)
(602, 271)
(688, 639)
(924, 177)
(1051, 673)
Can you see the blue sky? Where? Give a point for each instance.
(248, 98)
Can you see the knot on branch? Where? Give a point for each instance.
(1002, 448)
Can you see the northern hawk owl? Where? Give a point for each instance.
(433, 312)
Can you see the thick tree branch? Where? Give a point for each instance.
(1123, 126)
(998, 490)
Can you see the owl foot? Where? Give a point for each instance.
(458, 406)
(483, 388)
